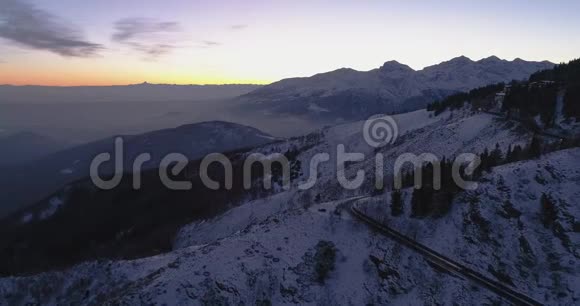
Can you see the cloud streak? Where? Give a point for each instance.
(238, 26)
(33, 28)
(148, 36)
(210, 43)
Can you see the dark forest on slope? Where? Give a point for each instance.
(536, 97)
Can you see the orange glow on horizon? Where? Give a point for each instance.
(50, 70)
(121, 82)
(79, 79)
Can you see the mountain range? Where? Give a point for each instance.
(28, 182)
(253, 245)
(347, 94)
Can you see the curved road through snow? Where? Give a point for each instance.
(443, 262)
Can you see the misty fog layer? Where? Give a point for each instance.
(40, 140)
(80, 123)
(32, 127)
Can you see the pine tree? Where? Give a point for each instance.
(535, 149)
(447, 182)
(421, 202)
(396, 203)
(416, 203)
(496, 156)
(548, 211)
(572, 101)
(517, 153)
(485, 160)
(509, 156)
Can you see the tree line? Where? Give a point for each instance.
(568, 76)
(535, 97)
(456, 101)
(428, 201)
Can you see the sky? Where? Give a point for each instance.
(112, 42)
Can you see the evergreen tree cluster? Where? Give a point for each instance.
(325, 260)
(563, 73)
(457, 100)
(572, 101)
(535, 149)
(532, 100)
(568, 76)
(295, 163)
(428, 201)
(537, 96)
(514, 154)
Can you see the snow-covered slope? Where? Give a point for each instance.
(419, 132)
(265, 250)
(347, 94)
(446, 135)
(26, 183)
(271, 262)
(498, 229)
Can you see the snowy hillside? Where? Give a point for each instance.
(269, 262)
(499, 229)
(302, 246)
(347, 94)
(447, 135)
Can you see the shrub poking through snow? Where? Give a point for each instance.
(325, 259)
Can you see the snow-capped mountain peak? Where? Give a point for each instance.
(347, 94)
(395, 67)
(458, 61)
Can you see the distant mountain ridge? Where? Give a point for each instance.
(26, 146)
(144, 92)
(394, 87)
(28, 182)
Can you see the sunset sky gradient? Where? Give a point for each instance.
(255, 41)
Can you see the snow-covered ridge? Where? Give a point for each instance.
(350, 94)
(264, 249)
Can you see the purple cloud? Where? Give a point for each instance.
(30, 27)
(147, 36)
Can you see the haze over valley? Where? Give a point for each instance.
(289, 152)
